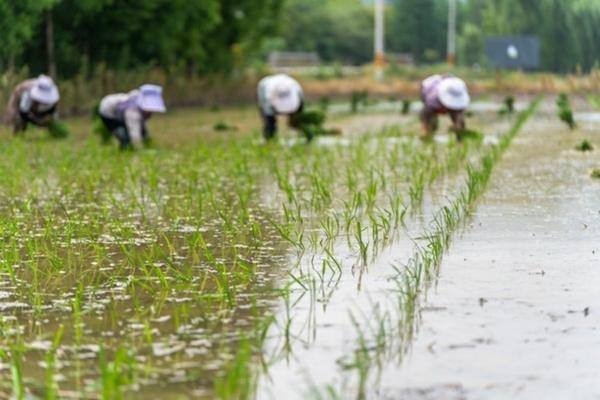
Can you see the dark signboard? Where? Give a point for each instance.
(513, 52)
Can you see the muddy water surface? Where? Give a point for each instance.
(515, 312)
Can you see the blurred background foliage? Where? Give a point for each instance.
(202, 37)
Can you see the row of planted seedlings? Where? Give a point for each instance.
(385, 332)
(136, 273)
(341, 221)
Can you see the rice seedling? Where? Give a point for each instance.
(508, 106)
(58, 130)
(565, 113)
(154, 262)
(406, 105)
(584, 146)
(595, 173)
(222, 126)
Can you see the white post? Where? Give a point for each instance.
(452, 32)
(379, 39)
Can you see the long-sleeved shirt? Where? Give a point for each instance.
(20, 102)
(430, 93)
(266, 91)
(124, 108)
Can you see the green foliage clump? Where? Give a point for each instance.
(311, 124)
(508, 106)
(584, 145)
(596, 173)
(564, 111)
(468, 134)
(222, 126)
(406, 104)
(58, 130)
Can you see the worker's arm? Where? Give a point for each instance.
(135, 126)
(264, 102)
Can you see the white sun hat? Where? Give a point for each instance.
(453, 94)
(45, 91)
(150, 99)
(285, 97)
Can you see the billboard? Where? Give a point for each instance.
(513, 52)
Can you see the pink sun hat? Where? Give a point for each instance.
(150, 99)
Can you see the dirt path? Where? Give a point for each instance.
(515, 313)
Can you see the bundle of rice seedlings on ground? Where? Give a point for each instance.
(222, 126)
(468, 134)
(311, 124)
(584, 145)
(564, 111)
(58, 130)
(596, 173)
(508, 106)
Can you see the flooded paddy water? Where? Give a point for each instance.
(214, 266)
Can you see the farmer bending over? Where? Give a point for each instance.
(278, 95)
(443, 94)
(33, 101)
(125, 115)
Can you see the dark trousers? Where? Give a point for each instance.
(33, 118)
(270, 123)
(269, 126)
(119, 130)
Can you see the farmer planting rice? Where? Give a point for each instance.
(444, 94)
(279, 95)
(35, 101)
(125, 115)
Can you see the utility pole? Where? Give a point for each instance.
(379, 39)
(452, 32)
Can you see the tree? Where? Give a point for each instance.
(419, 28)
(338, 30)
(18, 21)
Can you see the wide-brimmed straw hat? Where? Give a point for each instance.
(285, 99)
(150, 99)
(45, 91)
(453, 94)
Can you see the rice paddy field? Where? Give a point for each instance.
(363, 266)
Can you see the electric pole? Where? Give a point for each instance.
(452, 32)
(379, 39)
